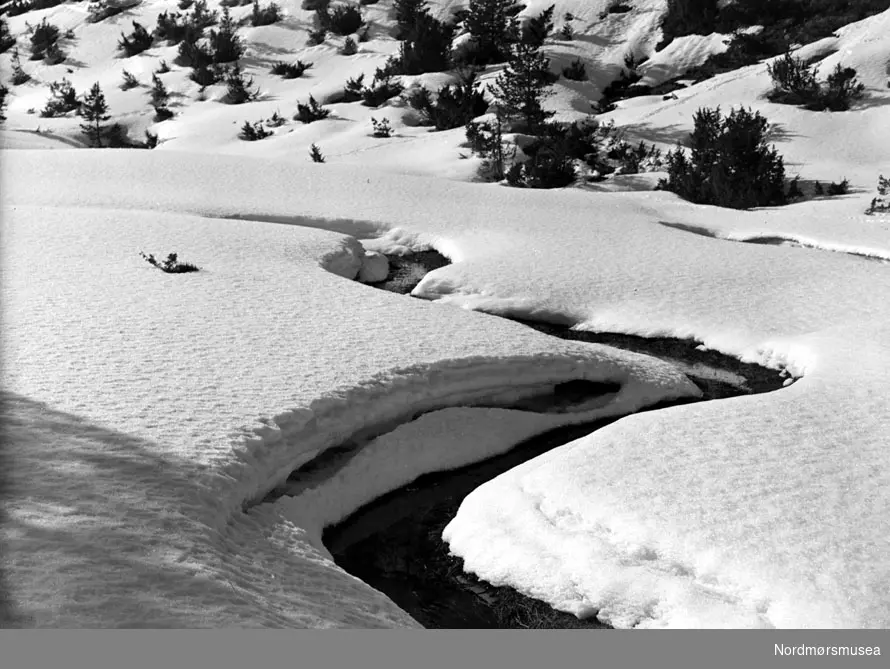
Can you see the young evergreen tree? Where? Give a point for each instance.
(427, 47)
(225, 43)
(730, 164)
(539, 27)
(493, 29)
(522, 87)
(159, 93)
(94, 112)
(19, 76)
(7, 40)
(238, 88)
(315, 154)
(407, 13)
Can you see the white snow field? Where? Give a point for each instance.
(147, 415)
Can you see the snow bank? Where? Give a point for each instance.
(145, 409)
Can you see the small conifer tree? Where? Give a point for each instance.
(315, 154)
(226, 46)
(539, 28)
(493, 29)
(94, 111)
(523, 85)
(19, 76)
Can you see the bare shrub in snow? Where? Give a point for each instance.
(171, 265)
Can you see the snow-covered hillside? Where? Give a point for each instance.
(146, 415)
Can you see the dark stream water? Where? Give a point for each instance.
(394, 543)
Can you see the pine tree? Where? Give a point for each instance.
(225, 43)
(19, 76)
(159, 94)
(407, 13)
(7, 40)
(315, 154)
(730, 164)
(539, 27)
(523, 85)
(492, 28)
(94, 112)
(238, 88)
(427, 47)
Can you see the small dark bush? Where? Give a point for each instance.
(159, 93)
(252, 132)
(494, 29)
(63, 99)
(486, 138)
(311, 112)
(567, 32)
(225, 44)
(151, 139)
(549, 163)
(427, 46)
(381, 128)
(138, 41)
(290, 70)
(349, 47)
(317, 37)
(264, 16)
(731, 164)
(54, 55)
(19, 76)
(841, 89)
(315, 154)
(206, 75)
(45, 36)
(238, 88)
(576, 71)
(193, 55)
(841, 188)
(276, 120)
(352, 92)
(818, 190)
(7, 40)
(315, 5)
(880, 204)
(455, 104)
(163, 114)
(163, 68)
(794, 191)
(382, 88)
(794, 82)
(341, 19)
(171, 265)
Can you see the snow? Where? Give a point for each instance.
(147, 415)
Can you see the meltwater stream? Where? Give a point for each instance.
(394, 543)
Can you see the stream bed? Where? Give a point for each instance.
(394, 543)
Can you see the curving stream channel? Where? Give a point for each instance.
(394, 543)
